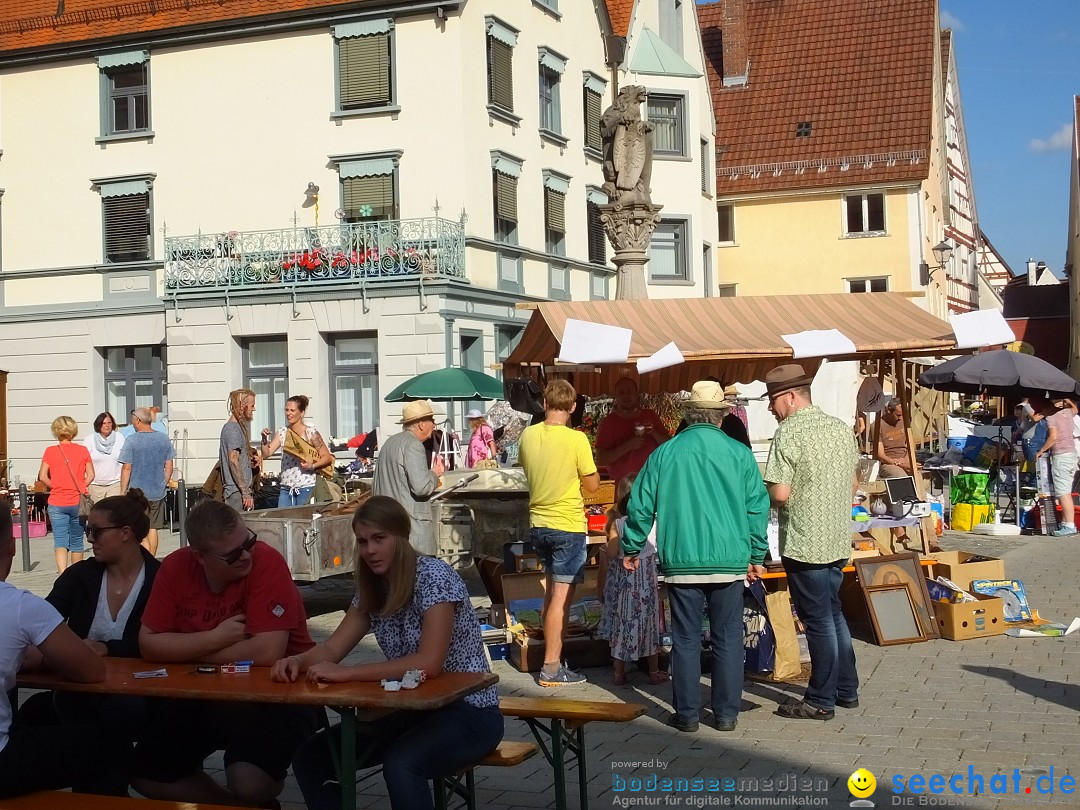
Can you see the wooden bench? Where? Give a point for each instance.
(462, 783)
(61, 800)
(559, 727)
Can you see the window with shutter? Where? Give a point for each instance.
(500, 74)
(369, 199)
(555, 221)
(597, 240)
(125, 93)
(506, 212)
(593, 112)
(364, 71)
(127, 228)
(704, 166)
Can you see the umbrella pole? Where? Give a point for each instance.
(926, 524)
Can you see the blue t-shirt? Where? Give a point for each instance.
(147, 452)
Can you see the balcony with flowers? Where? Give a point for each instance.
(341, 255)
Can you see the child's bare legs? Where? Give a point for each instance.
(620, 671)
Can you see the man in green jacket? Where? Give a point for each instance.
(711, 510)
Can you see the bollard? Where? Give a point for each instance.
(24, 522)
(181, 510)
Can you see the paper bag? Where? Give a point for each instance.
(787, 665)
(305, 451)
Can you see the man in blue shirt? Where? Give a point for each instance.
(147, 459)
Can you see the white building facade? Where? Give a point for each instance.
(325, 203)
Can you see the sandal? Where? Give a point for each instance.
(619, 679)
(658, 677)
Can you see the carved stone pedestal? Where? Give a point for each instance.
(630, 228)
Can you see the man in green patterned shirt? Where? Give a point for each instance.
(811, 476)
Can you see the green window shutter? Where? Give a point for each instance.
(369, 198)
(592, 120)
(127, 228)
(597, 240)
(500, 74)
(555, 210)
(364, 71)
(505, 197)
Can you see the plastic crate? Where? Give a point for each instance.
(37, 528)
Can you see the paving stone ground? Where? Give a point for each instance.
(994, 706)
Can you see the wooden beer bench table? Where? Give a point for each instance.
(61, 800)
(354, 702)
(558, 724)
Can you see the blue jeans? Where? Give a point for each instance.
(300, 498)
(815, 591)
(67, 528)
(724, 602)
(563, 553)
(413, 747)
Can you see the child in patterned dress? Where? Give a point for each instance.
(630, 620)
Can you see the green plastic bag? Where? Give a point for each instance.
(971, 488)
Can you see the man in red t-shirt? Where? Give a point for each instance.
(628, 434)
(227, 597)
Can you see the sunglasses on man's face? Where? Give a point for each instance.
(232, 557)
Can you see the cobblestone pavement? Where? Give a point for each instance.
(993, 706)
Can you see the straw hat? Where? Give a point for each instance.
(415, 411)
(731, 391)
(474, 413)
(708, 395)
(784, 378)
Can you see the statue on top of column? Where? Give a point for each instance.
(628, 149)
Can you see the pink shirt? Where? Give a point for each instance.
(478, 445)
(1062, 422)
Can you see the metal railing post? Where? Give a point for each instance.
(24, 523)
(181, 510)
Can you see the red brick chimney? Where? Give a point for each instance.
(736, 56)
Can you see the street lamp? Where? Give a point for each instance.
(942, 251)
(311, 197)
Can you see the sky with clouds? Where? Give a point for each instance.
(1019, 65)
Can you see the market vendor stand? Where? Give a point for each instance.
(736, 340)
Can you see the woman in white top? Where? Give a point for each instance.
(105, 444)
(297, 476)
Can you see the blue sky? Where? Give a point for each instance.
(1019, 66)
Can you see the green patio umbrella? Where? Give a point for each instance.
(457, 384)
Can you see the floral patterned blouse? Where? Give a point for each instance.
(291, 474)
(399, 634)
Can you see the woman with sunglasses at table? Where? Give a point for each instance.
(102, 599)
(419, 610)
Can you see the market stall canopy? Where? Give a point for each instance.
(736, 340)
(458, 384)
(1000, 373)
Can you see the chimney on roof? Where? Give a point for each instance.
(736, 53)
(1032, 272)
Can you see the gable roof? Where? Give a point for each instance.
(620, 13)
(655, 57)
(28, 25)
(860, 72)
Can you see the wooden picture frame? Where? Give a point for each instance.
(892, 614)
(896, 569)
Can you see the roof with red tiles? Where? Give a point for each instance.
(859, 72)
(620, 12)
(27, 25)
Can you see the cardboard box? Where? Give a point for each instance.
(982, 618)
(951, 564)
(527, 654)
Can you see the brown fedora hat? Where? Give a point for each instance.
(784, 378)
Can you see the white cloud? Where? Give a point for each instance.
(1058, 142)
(949, 20)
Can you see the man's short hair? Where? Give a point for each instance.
(143, 415)
(893, 403)
(704, 416)
(559, 395)
(210, 521)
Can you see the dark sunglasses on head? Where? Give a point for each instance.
(238, 552)
(94, 532)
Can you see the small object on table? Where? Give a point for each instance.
(413, 678)
(390, 685)
(236, 668)
(152, 673)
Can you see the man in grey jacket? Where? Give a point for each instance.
(404, 474)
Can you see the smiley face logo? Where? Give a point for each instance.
(862, 783)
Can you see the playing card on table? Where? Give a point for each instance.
(153, 673)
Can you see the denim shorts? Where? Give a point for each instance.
(563, 553)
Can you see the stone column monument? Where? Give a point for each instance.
(629, 217)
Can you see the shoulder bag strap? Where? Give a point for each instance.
(70, 473)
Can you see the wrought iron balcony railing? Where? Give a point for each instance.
(342, 254)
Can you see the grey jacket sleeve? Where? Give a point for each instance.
(422, 481)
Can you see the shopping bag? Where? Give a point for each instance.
(970, 488)
(787, 663)
(758, 642)
(966, 516)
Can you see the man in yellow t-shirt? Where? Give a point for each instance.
(558, 465)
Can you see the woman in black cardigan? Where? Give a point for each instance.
(103, 598)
